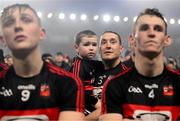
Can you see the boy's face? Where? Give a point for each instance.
(110, 47)
(87, 47)
(22, 30)
(150, 35)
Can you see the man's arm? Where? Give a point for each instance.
(111, 117)
(95, 114)
(71, 116)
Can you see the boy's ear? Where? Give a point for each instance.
(168, 40)
(76, 47)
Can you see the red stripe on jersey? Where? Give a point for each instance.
(173, 71)
(4, 66)
(51, 113)
(4, 69)
(88, 87)
(80, 90)
(103, 104)
(123, 66)
(76, 67)
(129, 109)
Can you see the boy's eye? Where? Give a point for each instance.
(94, 44)
(86, 44)
(144, 27)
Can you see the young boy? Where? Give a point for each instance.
(86, 68)
(32, 89)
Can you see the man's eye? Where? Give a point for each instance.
(26, 19)
(8, 23)
(103, 42)
(158, 28)
(113, 41)
(144, 27)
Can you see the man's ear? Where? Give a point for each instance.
(2, 41)
(42, 33)
(168, 40)
(131, 41)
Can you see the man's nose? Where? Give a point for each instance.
(18, 26)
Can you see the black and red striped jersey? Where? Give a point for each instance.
(106, 75)
(87, 70)
(41, 97)
(3, 68)
(146, 98)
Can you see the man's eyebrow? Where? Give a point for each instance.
(25, 14)
(8, 17)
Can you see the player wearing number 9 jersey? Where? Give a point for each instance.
(32, 89)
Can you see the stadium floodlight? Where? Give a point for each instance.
(172, 21)
(83, 17)
(116, 18)
(134, 18)
(39, 14)
(72, 16)
(50, 15)
(1, 12)
(106, 18)
(61, 15)
(125, 19)
(178, 21)
(96, 17)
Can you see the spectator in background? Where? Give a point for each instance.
(47, 57)
(83, 66)
(62, 61)
(172, 63)
(8, 60)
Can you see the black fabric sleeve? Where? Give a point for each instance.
(72, 95)
(112, 97)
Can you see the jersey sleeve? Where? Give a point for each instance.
(72, 95)
(112, 97)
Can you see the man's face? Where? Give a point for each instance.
(110, 47)
(59, 58)
(87, 47)
(21, 30)
(150, 35)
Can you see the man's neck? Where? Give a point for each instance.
(149, 67)
(28, 65)
(111, 63)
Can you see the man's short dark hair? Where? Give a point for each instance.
(59, 53)
(152, 12)
(119, 37)
(83, 33)
(10, 9)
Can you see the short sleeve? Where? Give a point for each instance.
(72, 95)
(112, 97)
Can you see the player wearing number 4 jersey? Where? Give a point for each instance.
(32, 89)
(148, 91)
